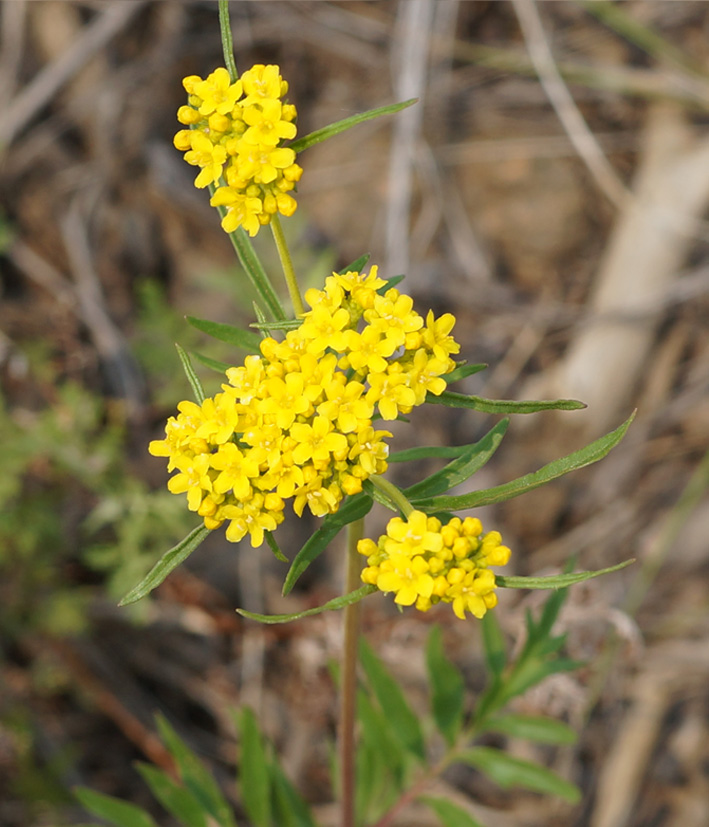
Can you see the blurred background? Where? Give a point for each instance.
(550, 188)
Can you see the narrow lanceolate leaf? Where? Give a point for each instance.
(462, 468)
(290, 809)
(255, 271)
(244, 339)
(285, 324)
(556, 581)
(447, 688)
(354, 509)
(508, 771)
(195, 776)
(533, 728)
(192, 377)
(357, 265)
(254, 774)
(177, 800)
(462, 371)
(404, 723)
(169, 561)
(335, 603)
(502, 406)
(428, 452)
(119, 813)
(494, 644)
(450, 814)
(579, 459)
(275, 548)
(208, 362)
(326, 132)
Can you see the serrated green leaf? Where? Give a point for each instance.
(335, 603)
(208, 362)
(507, 771)
(254, 773)
(195, 777)
(463, 371)
(354, 509)
(244, 339)
(462, 468)
(169, 561)
(192, 377)
(395, 707)
(494, 644)
(177, 800)
(450, 814)
(556, 581)
(447, 688)
(120, 813)
(275, 548)
(357, 265)
(579, 459)
(532, 728)
(451, 399)
(326, 132)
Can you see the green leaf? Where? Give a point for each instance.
(461, 372)
(357, 265)
(175, 799)
(579, 459)
(508, 771)
(169, 561)
(192, 377)
(502, 406)
(462, 468)
(392, 281)
(533, 728)
(450, 814)
(377, 734)
(208, 362)
(428, 452)
(290, 809)
(285, 324)
(254, 774)
(403, 721)
(254, 270)
(244, 339)
(447, 688)
(195, 777)
(326, 132)
(381, 495)
(494, 644)
(119, 813)
(354, 509)
(556, 581)
(275, 548)
(335, 603)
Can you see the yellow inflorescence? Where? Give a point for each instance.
(234, 137)
(425, 562)
(296, 422)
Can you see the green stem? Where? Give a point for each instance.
(393, 493)
(348, 678)
(287, 264)
(227, 43)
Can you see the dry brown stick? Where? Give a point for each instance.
(50, 80)
(560, 98)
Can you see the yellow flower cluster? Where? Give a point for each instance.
(296, 421)
(425, 562)
(235, 134)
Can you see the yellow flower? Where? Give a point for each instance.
(242, 211)
(217, 92)
(207, 155)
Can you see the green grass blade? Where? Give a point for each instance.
(336, 128)
(119, 813)
(177, 800)
(579, 459)
(169, 561)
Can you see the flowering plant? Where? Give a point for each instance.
(297, 422)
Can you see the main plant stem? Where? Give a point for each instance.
(348, 679)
